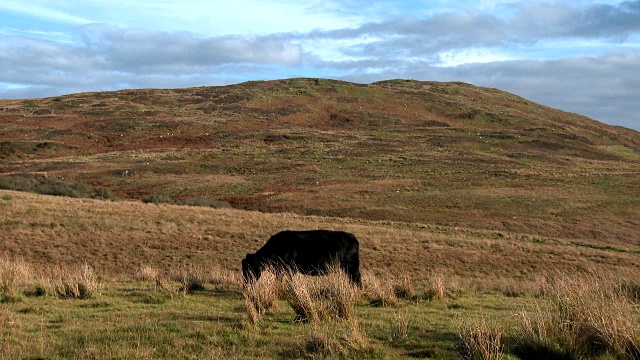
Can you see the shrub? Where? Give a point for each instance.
(157, 199)
(44, 185)
(103, 193)
(206, 202)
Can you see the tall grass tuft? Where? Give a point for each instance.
(80, 282)
(400, 326)
(191, 278)
(261, 295)
(13, 276)
(378, 292)
(481, 341)
(436, 289)
(147, 273)
(332, 296)
(222, 279)
(403, 288)
(328, 340)
(583, 317)
(298, 294)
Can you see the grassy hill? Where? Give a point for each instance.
(448, 154)
(483, 219)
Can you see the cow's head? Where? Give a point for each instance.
(250, 268)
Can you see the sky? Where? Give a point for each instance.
(579, 56)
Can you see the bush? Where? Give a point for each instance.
(157, 199)
(43, 185)
(206, 202)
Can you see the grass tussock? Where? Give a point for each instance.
(436, 289)
(481, 340)
(14, 276)
(19, 278)
(379, 292)
(146, 273)
(188, 279)
(332, 296)
(400, 326)
(261, 295)
(329, 340)
(79, 282)
(583, 316)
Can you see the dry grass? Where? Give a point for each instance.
(481, 340)
(18, 278)
(379, 292)
(79, 282)
(584, 316)
(327, 340)
(332, 296)
(189, 279)
(119, 236)
(400, 325)
(147, 273)
(261, 295)
(436, 289)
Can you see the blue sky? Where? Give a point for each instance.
(579, 56)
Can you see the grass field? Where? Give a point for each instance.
(490, 226)
(458, 279)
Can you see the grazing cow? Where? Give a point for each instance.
(308, 252)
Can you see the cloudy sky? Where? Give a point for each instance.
(580, 56)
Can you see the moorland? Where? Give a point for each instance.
(483, 218)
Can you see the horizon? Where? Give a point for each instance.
(582, 58)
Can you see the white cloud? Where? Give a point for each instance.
(454, 58)
(580, 56)
(44, 12)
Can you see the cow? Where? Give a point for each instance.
(309, 252)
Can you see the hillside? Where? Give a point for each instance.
(445, 154)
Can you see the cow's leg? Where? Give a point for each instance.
(352, 269)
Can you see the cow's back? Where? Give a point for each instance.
(309, 246)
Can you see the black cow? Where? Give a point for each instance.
(308, 252)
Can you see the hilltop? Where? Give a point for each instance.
(446, 154)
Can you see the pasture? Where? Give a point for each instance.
(162, 281)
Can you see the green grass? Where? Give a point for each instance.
(133, 320)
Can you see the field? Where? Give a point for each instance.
(489, 226)
(481, 275)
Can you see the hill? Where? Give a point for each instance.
(446, 154)
(488, 225)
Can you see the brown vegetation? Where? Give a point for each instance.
(469, 203)
(447, 154)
